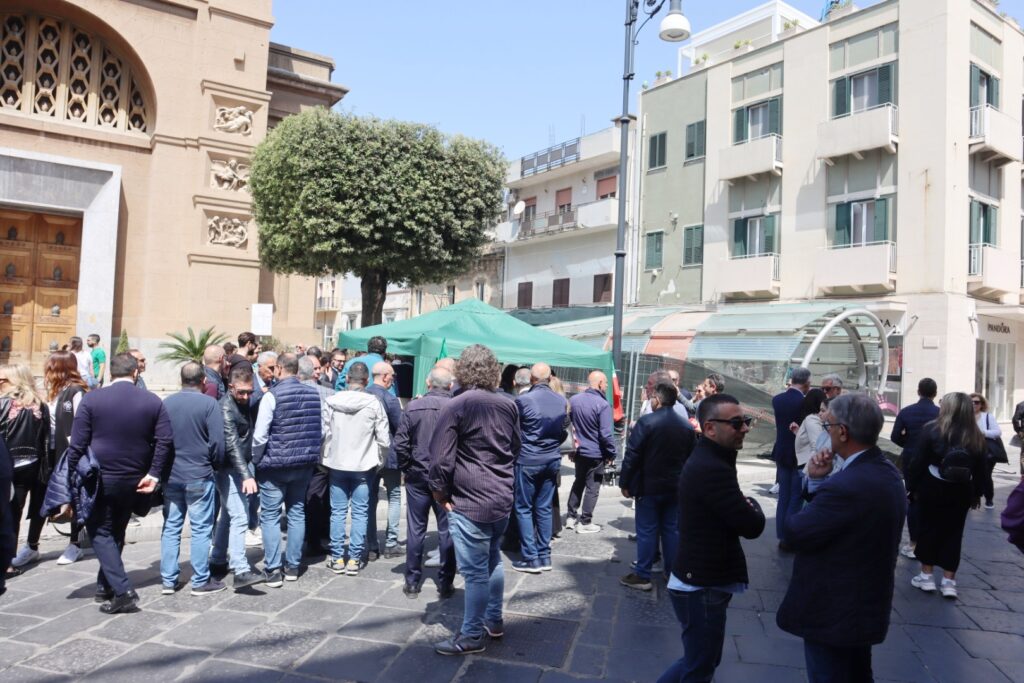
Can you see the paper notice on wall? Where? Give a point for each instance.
(262, 320)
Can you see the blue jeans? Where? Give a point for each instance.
(830, 664)
(392, 480)
(535, 489)
(702, 616)
(790, 501)
(478, 556)
(229, 533)
(349, 488)
(196, 499)
(657, 517)
(285, 485)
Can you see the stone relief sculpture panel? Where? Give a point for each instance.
(235, 120)
(230, 174)
(227, 231)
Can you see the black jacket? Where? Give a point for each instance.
(412, 442)
(931, 450)
(906, 432)
(64, 416)
(27, 436)
(238, 428)
(846, 541)
(1018, 418)
(656, 450)
(713, 514)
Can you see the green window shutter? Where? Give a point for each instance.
(775, 115)
(885, 84)
(700, 131)
(881, 227)
(691, 141)
(843, 215)
(698, 244)
(662, 149)
(841, 97)
(975, 86)
(993, 91)
(739, 125)
(653, 256)
(739, 237)
(770, 239)
(975, 231)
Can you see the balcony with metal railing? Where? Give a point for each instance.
(327, 303)
(593, 216)
(995, 135)
(991, 271)
(751, 276)
(596, 150)
(864, 267)
(751, 158)
(860, 131)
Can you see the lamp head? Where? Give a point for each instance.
(675, 27)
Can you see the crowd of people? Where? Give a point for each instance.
(257, 441)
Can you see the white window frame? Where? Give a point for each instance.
(764, 121)
(862, 222)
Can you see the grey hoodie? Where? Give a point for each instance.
(359, 435)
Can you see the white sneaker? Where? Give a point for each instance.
(570, 523)
(433, 559)
(71, 555)
(990, 506)
(588, 528)
(253, 539)
(948, 588)
(907, 550)
(25, 556)
(925, 582)
(774, 490)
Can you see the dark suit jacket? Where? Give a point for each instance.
(393, 408)
(656, 451)
(787, 410)
(846, 540)
(907, 429)
(128, 429)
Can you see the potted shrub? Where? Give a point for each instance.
(661, 77)
(701, 61)
(742, 46)
(841, 9)
(789, 28)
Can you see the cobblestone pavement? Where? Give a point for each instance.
(573, 623)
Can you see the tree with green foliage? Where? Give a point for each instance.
(184, 349)
(389, 201)
(122, 343)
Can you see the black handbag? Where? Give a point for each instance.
(996, 449)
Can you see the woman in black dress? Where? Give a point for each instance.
(950, 468)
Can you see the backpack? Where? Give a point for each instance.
(956, 465)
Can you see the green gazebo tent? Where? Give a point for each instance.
(468, 322)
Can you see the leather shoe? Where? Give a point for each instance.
(445, 589)
(411, 590)
(121, 604)
(103, 595)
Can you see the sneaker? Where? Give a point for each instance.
(460, 645)
(545, 564)
(527, 566)
(275, 579)
(948, 588)
(134, 521)
(352, 567)
(392, 551)
(989, 505)
(571, 522)
(924, 582)
(246, 579)
(121, 604)
(209, 588)
(907, 551)
(25, 556)
(634, 581)
(70, 555)
(171, 589)
(495, 629)
(254, 538)
(336, 566)
(774, 490)
(218, 570)
(433, 559)
(291, 573)
(588, 528)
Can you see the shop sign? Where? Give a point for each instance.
(999, 328)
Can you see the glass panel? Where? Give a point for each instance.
(776, 77)
(736, 198)
(837, 178)
(863, 222)
(863, 173)
(979, 367)
(864, 91)
(1011, 379)
(890, 39)
(863, 48)
(887, 172)
(758, 83)
(758, 121)
(737, 89)
(999, 409)
(774, 191)
(837, 57)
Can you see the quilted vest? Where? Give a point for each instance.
(294, 439)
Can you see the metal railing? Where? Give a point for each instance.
(979, 120)
(894, 115)
(890, 252)
(552, 221)
(976, 258)
(552, 157)
(762, 254)
(327, 303)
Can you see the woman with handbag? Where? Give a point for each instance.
(810, 430)
(994, 442)
(24, 425)
(64, 391)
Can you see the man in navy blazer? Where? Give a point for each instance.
(130, 435)
(846, 541)
(905, 433)
(786, 407)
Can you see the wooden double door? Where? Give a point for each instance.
(39, 273)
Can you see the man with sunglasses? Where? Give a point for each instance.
(710, 567)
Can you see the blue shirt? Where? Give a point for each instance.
(369, 360)
(543, 424)
(591, 417)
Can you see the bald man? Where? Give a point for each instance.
(591, 417)
(544, 424)
(213, 361)
(383, 379)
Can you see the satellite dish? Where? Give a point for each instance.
(518, 209)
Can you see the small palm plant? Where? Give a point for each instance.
(184, 349)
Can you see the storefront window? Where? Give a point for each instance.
(994, 376)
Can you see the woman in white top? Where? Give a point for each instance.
(84, 361)
(810, 430)
(989, 426)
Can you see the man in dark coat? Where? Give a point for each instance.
(786, 407)
(388, 474)
(846, 541)
(905, 433)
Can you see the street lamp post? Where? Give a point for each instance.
(674, 28)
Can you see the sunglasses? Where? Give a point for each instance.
(736, 423)
(976, 402)
(243, 392)
(830, 425)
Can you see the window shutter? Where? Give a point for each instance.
(739, 125)
(768, 226)
(881, 227)
(975, 232)
(843, 225)
(975, 86)
(739, 238)
(607, 187)
(700, 131)
(698, 244)
(885, 84)
(841, 97)
(687, 246)
(775, 115)
(662, 149)
(691, 141)
(993, 91)
(992, 226)
(652, 152)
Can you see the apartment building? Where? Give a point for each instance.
(872, 160)
(339, 306)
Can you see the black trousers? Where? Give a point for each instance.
(27, 488)
(318, 509)
(106, 527)
(7, 535)
(989, 486)
(830, 664)
(586, 486)
(418, 504)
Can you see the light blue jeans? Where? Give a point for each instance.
(535, 491)
(392, 480)
(229, 534)
(478, 556)
(285, 485)
(196, 499)
(349, 488)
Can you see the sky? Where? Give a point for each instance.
(521, 74)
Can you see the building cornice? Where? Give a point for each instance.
(234, 91)
(262, 22)
(179, 9)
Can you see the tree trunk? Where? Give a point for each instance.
(374, 288)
